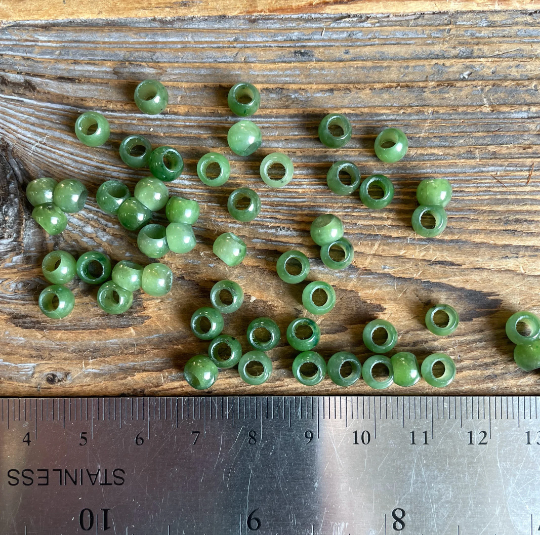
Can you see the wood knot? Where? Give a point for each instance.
(54, 378)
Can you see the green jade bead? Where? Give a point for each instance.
(56, 301)
(225, 351)
(244, 99)
(237, 207)
(259, 357)
(151, 192)
(152, 241)
(308, 297)
(527, 357)
(157, 279)
(59, 267)
(49, 217)
(135, 151)
(280, 161)
(449, 370)
(272, 331)
(391, 145)
(133, 215)
(110, 196)
(346, 248)
(391, 336)
(235, 294)
(285, 265)
(434, 192)
(438, 214)
(151, 97)
(230, 248)
(530, 321)
(220, 161)
(94, 267)
(326, 228)
(335, 368)
(309, 358)
(182, 210)
(40, 191)
(406, 369)
(367, 372)
(328, 124)
(70, 195)
(306, 341)
(384, 183)
(127, 275)
(114, 299)
(451, 320)
(335, 182)
(215, 320)
(166, 163)
(95, 121)
(244, 138)
(180, 237)
(200, 372)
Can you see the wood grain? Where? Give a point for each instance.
(464, 87)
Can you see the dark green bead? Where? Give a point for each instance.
(279, 162)
(209, 159)
(244, 138)
(325, 304)
(326, 228)
(438, 227)
(127, 275)
(391, 336)
(258, 338)
(133, 215)
(151, 97)
(336, 372)
(434, 192)
(449, 370)
(157, 279)
(214, 320)
(50, 218)
(56, 301)
(200, 372)
(302, 367)
(348, 254)
(247, 375)
(59, 267)
(384, 183)
(306, 340)
(230, 248)
(166, 163)
(335, 182)
(151, 192)
(391, 145)
(528, 357)
(70, 195)
(94, 267)
(110, 196)
(40, 191)
(244, 99)
(327, 130)
(114, 299)
(92, 129)
(180, 237)
(135, 151)
(367, 372)
(406, 369)
(451, 320)
(225, 351)
(237, 207)
(235, 293)
(181, 210)
(285, 265)
(152, 241)
(531, 322)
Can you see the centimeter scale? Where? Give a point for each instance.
(270, 466)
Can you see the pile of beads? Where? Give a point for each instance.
(527, 350)
(433, 195)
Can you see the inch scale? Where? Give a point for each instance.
(270, 466)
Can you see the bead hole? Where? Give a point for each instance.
(154, 232)
(213, 170)
(323, 220)
(94, 270)
(346, 369)
(293, 266)
(147, 92)
(380, 372)
(57, 264)
(242, 203)
(170, 161)
(254, 368)
(226, 297)
(117, 191)
(438, 369)
(428, 220)
(303, 331)
(388, 144)
(441, 318)
(54, 303)
(308, 370)
(379, 336)
(375, 191)
(345, 177)
(204, 324)
(244, 95)
(223, 352)
(262, 335)
(137, 150)
(89, 126)
(336, 129)
(276, 171)
(337, 253)
(523, 328)
(115, 297)
(319, 297)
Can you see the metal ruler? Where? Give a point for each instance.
(270, 466)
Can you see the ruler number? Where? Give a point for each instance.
(309, 435)
(139, 440)
(481, 442)
(365, 438)
(26, 439)
(87, 518)
(253, 440)
(414, 443)
(537, 436)
(196, 433)
(398, 515)
(84, 438)
(253, 523)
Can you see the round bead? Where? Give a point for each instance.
(335, 182)
(384, 184)
(94, 267)
(308, 297)
(156, 279)
(285, 264)
(70, 195)
(92, 120)
(214, 318)
(336, 372)
(449, 370)
(151, 192)
(434, 192)
(236, 207)
(114, 299)
(244, 99)
(327, 127)
(271, 337)
(230, 248)
(391, 145)
(451, 320)
(110, 196)
(244, 138)
(133, 215)
(326, 228)
(135, 151)
(258, 357)
(528, 357)
(40, 191)
(367, 372)
(530, 321)
(59, 267)
(180, 237)
(151, 97)
(166, 163)
(235, 292)
(280, 161)
(348, 254)
(224, 169)
(391, 336)
(127, 275)
(200, 372)
(438, 214)
(50, 218)
(225, 351)
(182, 210)
(56, 301)
(309, 359)
(406, 369)
(152, 241)
(306, 341)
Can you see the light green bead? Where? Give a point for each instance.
(247, 375)
(300, 368)
(224, 169)
(326, 229)
(110, 196)
(92, 120)
(152, 241)
(157, 279)
(166, 163)
(230, 248)
(276, 160)
(244, 213)
(336, 184)
(266, 341)
(151, 97)
(328, 136)
(235, 292)
(180, 237)
(335, 368)
(114, 299)
(449, 370)
(128, 275)
(530, 320)
(311, 302)
(151, 192)
(451, 317)
(367, 372)
(133, 215)
(438, 214)
(94, 267)
(200, 372)
(70, 195)
(59, 267)
(348, 254)
(50, 218)
(244, 99)
(244, 138)
(225, 351)
(527, 357)
(214, 320)
(406, 369)
(306, 341)
(181, 210)
(391, 336)
(391, 145)
(56, 301)
(434, 192)
(386, 186)
(135, 151)
(285, 265)
(40, 191)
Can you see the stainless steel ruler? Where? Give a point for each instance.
(270, 466)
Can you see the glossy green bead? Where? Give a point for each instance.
(220, 161)
(530, 321)
(152, 241)
(40, 191)
(348, 254)
(391, 336)
(180, 237)
(214, 319)
(335, 368)
(438, 214)
(367, 372)
(434, 192)
(157, 279)
(244, 138)
(326, 228)
(286, 264)
(94, 267)
(449, 370)
(238, 208)
(151, 97)
(114, 299)
(133, 215)
(110, 196)
(327, 135)
(323, 305)
(92, 128)
(127, 275)
(70, 195)
(244, 99)
(56, 301)
(527, 357)
(182, 210)
(247, 375)
(451, 320)
(266, 341)
(391, 145)
(384, 183)
(59, 267)
(200, 372)
(309, 359)
(335, 182)
(50, 218)
(230, 248)
(225, 351)
(303, 341)
(166, 163)
(151, 192)
(276, 161)
(235, 296)
(406, 369)
(135, 151)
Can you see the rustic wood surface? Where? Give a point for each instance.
(464, 87)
